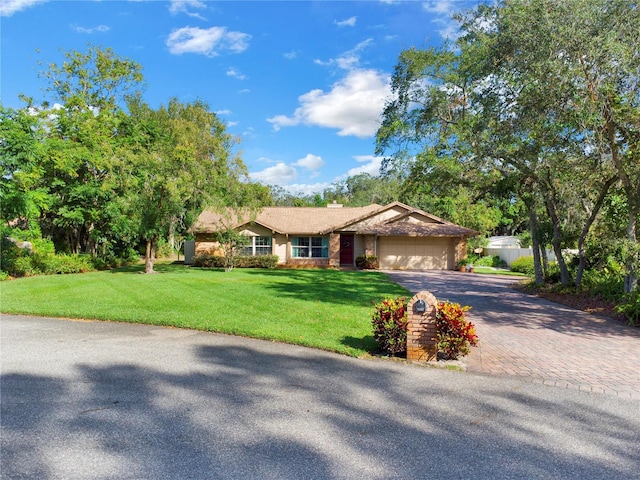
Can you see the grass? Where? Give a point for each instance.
(325, 309)
(497, 271)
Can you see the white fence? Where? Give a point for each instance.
(510, 254)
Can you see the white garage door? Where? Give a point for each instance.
(413, 253)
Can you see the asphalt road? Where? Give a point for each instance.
(100, 400)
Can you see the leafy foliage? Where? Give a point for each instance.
(630, 308)
(455, 333)
(390, 325)
(523, 265)
(241, 261)
(487, 261)
(367, 262)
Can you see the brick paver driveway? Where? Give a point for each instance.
(525, 336)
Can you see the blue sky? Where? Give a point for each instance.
(301, 83)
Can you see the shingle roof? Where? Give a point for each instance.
(299, 220)
(407, 229)
(323, 220)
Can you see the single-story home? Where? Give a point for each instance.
(402, 237)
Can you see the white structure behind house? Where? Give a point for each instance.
(503, 241)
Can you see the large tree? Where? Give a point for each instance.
(518, 96)
(81, 150)
(181, 160)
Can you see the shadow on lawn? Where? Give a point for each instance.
(174, 267)
(366, 343)
(332, 286)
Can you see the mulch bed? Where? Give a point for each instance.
(578, 300)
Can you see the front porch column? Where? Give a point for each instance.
(460, 250)
(369, 245)
(334, 250)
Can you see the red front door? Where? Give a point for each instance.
(346, 249)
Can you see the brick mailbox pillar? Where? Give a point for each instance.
(421, 328)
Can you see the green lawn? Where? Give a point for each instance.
(325, 309)
(499, 271)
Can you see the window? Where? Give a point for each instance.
(258, 246)
(310, 247)
(262, 245)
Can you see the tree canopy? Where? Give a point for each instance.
(101, 172)
(535, 104)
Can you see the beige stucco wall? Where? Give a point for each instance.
(280, 246)
(256, 231)
(381, 217)
(358, 246)
(417, 218)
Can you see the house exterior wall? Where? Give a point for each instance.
(402, 253)
(334, 249)
(417, 219)
(206, 244)
(369, 245)
(381, 217)
(256, 231)
(358, 246)
(280, 246)
(461, 249)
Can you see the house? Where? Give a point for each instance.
(402, 237)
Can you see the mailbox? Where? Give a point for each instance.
(420, 306)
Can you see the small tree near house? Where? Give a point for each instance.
(230, 243)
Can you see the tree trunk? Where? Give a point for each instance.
(587, 226)
(150, 256)
(565, 277)
(631, 262)
(545, 260)
(535, 245)
(633, 202)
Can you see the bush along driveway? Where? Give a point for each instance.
(532, 338)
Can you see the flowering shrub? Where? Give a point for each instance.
(454, 332)
(390, 325)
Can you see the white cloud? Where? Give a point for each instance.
(306, 188)
(353, 105)
(99, 28)
(349, 59)
(371, 166)
(290, 55)
(232, 72)
(9, 7)
(449, 29)
(207, 41)
(222, 112)
(443, 7)
(279, 174)
(349, 22)
(184, 6)
(310, 162)
(244, 91)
